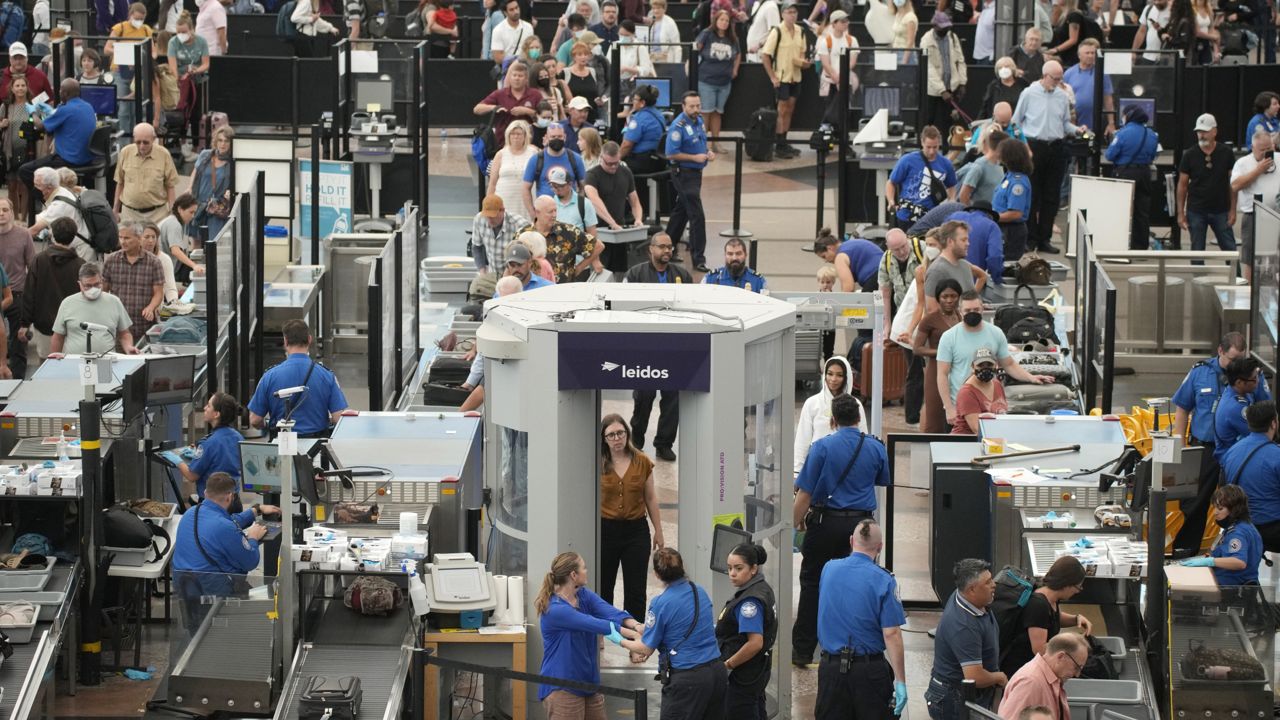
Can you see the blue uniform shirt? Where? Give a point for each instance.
(1261, 479)
(1014, 193)
(857, 600)
(569, 639)
(1240, 541)
(312, 408)
(645, 130)
(1199, 394)
(1134, 144)
(219, 452)
(230, 550)
(965, 636)
(669, 617)
(1271, 124)
(1229, 425)
(689, 137)
(864, 259)
(914, 184)
(71, 127)
(750, 617)
(827, 459)
(986, 244)
(748, 280)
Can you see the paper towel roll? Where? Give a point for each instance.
(515, 600)
(408, 523)
(500, 612)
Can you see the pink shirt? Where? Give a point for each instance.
(212, 17)
(1035, 684)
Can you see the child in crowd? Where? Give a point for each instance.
(827, 283)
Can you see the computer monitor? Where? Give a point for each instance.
(1147, 104)
(133, 391)
(375, 91)
(260, 467)
(664, 90)
(724, 538)
(876, 98)
(102, 98)
(170, 379)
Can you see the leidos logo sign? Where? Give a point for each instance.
(608, 366)
(648, 372)
(654, 361)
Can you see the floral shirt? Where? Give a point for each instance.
(565, 244)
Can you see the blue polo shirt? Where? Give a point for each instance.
(669, 617)
(864, 259)
(1200, 391)
(748, 280)
(687, 136)
(645, 129)
(1082, 82)
(311, 408)
(570, 160)
(226, 548)
(965, 636)
(1014, 193)
(569, 639)
(1243, 542)
(857, 600)
(1229, 424)
(535, 281)
(914, 183)
(219, 452)
(1261, 479)
(71, 125)
(823, 473)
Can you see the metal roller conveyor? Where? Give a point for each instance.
(382, 676)
(1198, 692)
(23, 674)
(229, 662)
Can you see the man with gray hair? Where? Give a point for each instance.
(91, 311)
(967, 645)
(145, 178)
(570, 251)
(136, 277)
(60, 202)
(1254, 174)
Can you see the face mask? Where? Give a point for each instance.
(1005, 73)
(625, 40)
(534, 53)
(899, 3)
(556, 145)
(136, 23)
(942, 32)
(578, 33)
(184, 37)
(932, 252)
(973, 319)
(543, 122)
(985, 374)
(93, 293)
(1203, 142)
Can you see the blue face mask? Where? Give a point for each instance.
(534, 53)
(625, 39)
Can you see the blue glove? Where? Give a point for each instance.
(172, 457)
(1084, 542)
(614, 636)
(899, 697)
(46, 108)
(189, 453)
(1198, 562)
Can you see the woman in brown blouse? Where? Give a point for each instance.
(925, 342)
(626, 496)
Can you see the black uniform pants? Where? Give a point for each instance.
(913, 389)
(17, 350)
(1015, 239)
(1195, 510)
(746, 701)
(646, 164)
(1140, 230)
(668, 418)
(686, 188)
(696, 693)
(1270, 533)
(826, 538)
(863, 692)
(626, 543)
(1046, 190)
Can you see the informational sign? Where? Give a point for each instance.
(335, 197)
(635, 361)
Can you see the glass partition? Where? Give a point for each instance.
(1102, 338)
(409, 310)
(509, 555)
(390, 311)
(1221, 651)
(1264, 334)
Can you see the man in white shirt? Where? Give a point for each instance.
(60, 202)
(764, 17)
(1254, 174)
(984, 39)
(509, 34)
(1151, 23)
(836, 41)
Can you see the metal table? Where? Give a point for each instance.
(23, 675)
(1233, 306)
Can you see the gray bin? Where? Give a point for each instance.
(1145, 296)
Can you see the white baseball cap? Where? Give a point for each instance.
(17, 49)
(1205, 122)
(580, 102)
(557, 176)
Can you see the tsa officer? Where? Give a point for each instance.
(1260, 455)
(642, 139)
(834, 492)
(860, 622)
(746, 630)
(680, 626)
(1238, 550)
(688, 154)
(316, 408)
(735, 272)
(218, 452)
(1132, 152)
(1229, 424)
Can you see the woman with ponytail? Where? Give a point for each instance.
(746, 630)
(571, 616)
(219, 451)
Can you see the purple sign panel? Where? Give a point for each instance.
(635, 361)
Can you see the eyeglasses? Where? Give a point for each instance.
(664, 246)
(1079, 667)
(615, 435)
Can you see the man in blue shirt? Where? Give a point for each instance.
(920, 180)
(856, 260)
(735, 272)
(1131, 154)
(537, 174)
(1253, 463)
(71, 127)
(1229, 418)
(860, 620)
(1081, 78)
(966, 645)
(835, 490)
(688, 154)
(316, 408)
(1044, 114)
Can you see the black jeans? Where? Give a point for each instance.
(686, 188)
(824, 540)
(624, 542)
(17, 350)
(668, 418)
(1015, 239)
(1195, 510)
(1140, 230)
(913, 390)
(1046, 190)
(864, 692)
(746, 701)
(696, 693)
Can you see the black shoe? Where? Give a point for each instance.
(803, 663)
(702, 268)
(664, 453)
(1050, 249)
(677, 259)
(786, 152)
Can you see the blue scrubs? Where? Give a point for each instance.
(219, 452)
(311, 408)
(569, 639)
(1243, 542)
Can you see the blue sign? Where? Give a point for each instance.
(635, 361)
(335, 198)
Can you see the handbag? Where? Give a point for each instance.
(219, 207)
(1009, 315)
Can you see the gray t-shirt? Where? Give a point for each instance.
(941, 269)
(106, 310)
(983, 177)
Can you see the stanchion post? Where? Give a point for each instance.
(315, 193)
(842, 153)
(90, 539)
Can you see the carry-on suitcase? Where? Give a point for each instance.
(1039, 399)
(331, 698)
(895, 373)
(448, 370)
(761, 134)
(1061, 374)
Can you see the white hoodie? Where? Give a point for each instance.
(815, 416)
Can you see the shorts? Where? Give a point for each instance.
(788, 91)
(714, 97)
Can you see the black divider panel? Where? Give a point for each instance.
(259, 90)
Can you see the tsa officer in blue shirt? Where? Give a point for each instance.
(688, 154)
(680, 626)
(1238, 550)
(219, 451)
(317, 408)
(1012, 199)
(1229, 423)
(835, 490)
(860, 619)
(642, 140)
(735, 272)
(1132, 153)
(1259, 454)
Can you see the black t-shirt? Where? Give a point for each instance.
(614, 190)
(1088, 29)
(1209, 179)
(959, 10)
(1039, 613)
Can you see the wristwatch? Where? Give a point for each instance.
(257, 509)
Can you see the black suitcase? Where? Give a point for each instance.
(339, 698)
(761, 134)
(448, 370)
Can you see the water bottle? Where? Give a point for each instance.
(418, 594)
(62, 445)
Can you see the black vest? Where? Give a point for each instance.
(731, 640)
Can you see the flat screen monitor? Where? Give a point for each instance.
(102, 98)
(881, 97)
(1148, 106)
(133, 391)
(460, 584)
(260, 467)
(375, 91)
(724, 538)
(664, 90)
(170, 379)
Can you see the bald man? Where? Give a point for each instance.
(146, 178)
(570, 251)
(1044, 114)
(1001, 117)
(70, 127)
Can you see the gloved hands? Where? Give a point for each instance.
(1198, 562)
(899, 697)
(189, 453)
(614, 636)
(172, 457)
(43, 107)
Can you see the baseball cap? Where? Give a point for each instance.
(786, 5)
(518, 254)
(941, 19)
(17, 49)
(589, 38)
(1205, 122)
(579, 103)
(557, 176)
(492, 206)
(839, 15)
(984, 356)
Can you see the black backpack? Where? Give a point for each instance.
(1009, 315)
(104, 234)
(1013, 591)
(122, 528)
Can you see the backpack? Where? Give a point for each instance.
(284, 21)
(122, 528)
(1008, 316)
(169, 94)
(94, 209)
(1013, 592)
(12, 23)
(375, 18)
(414, 25)
(484, 144)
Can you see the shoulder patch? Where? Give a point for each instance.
(1235, 545)
(1018, 189)
(649, 619)
(631, 124)
(750, 609)
(675, 136)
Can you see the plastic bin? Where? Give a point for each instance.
(49, 601)
(1115, 692)
(26, 582)
(20, 634)
(130, 557)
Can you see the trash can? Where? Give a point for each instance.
(1203, 319)
(1146, 298)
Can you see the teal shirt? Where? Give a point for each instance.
(188, 56)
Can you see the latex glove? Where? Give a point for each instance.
(614, 636)
(189, 453)
(899, 697)
(172, 457)
(1197, 562)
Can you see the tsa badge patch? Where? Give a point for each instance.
(649, 619)
(749, 610)
(1235, 545)
(1018, 189)
(675, 136)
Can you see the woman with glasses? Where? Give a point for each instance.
(1041, 618)
(627, 496)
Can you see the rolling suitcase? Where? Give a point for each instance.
(760, 134)
(895, 373)
(1039, 399)
(331, 698)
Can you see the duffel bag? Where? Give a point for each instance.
(1009, 315)
(1039, 399)
(1060, 374)
(1031, 329)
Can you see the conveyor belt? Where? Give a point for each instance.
(381, 671)
(14, 671)
(339, 625)
(230, 660)
(22, 673)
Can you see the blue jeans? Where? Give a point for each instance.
(124, 108)
(1199, 222)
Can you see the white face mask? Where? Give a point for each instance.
(1005, 73)
(899, 3)
(932, 252)
(184, 37)
(93, 293)
(136, 23)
